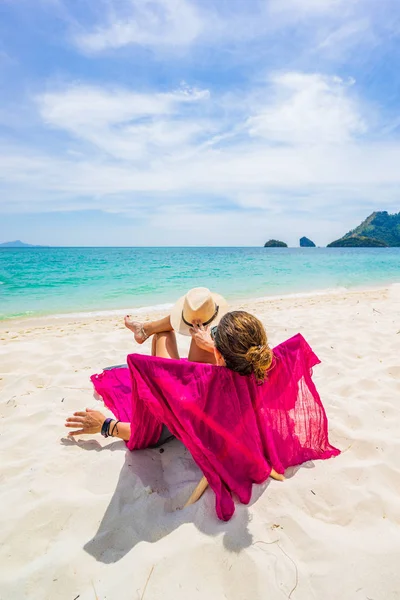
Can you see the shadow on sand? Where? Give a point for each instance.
(153, 486)
(149, 509)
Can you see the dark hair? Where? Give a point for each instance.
(242, 341)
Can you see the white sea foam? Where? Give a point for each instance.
(114, 312)
(325, 292)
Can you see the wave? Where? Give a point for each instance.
(310, 294)
(113, 312)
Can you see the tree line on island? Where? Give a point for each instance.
(379, 230)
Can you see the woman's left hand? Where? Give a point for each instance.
(201, 335)
(89, 422)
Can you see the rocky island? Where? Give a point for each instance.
(379, 230)
(275, 244)
(305, 242)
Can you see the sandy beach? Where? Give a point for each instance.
(86, 519)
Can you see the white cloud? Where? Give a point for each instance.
(125, 124)
(329, 28)
(347, 33)
(179, 24)
(291, 108)
(147, 23)
(308, 109)
(79, 105)
(354, 35)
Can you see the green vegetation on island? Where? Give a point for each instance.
(275, 244)
(378, 230)
(305, 242)
(357, 241)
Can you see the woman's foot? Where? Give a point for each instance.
(137, 329)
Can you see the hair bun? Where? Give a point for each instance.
(242, 341)
(260, 358)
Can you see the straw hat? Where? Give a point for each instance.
(197, 304)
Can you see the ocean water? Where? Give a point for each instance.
(42, 281)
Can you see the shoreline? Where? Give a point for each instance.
(154, 311)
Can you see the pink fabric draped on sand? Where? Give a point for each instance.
(235, 429)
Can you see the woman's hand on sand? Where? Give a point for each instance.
(201, 335)
(88, 422)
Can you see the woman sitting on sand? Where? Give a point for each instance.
(236, 340)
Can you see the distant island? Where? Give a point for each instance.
(379, 230)
(305, 242)
(275, 244)
(19, 244)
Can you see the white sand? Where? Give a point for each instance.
(87, 519)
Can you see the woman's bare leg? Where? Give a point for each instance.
(199, 355)
(142, 331)
(164, 340)
(164, 345)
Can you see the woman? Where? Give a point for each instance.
(238, 342)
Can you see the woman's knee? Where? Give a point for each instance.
(164, 345)
(164, 334)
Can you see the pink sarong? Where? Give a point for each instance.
(235, 429)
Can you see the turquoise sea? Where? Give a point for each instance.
(40, 281)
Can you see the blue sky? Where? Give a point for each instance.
(184, 122)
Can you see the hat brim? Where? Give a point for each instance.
(176, 314)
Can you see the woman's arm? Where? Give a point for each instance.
(91, 422)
